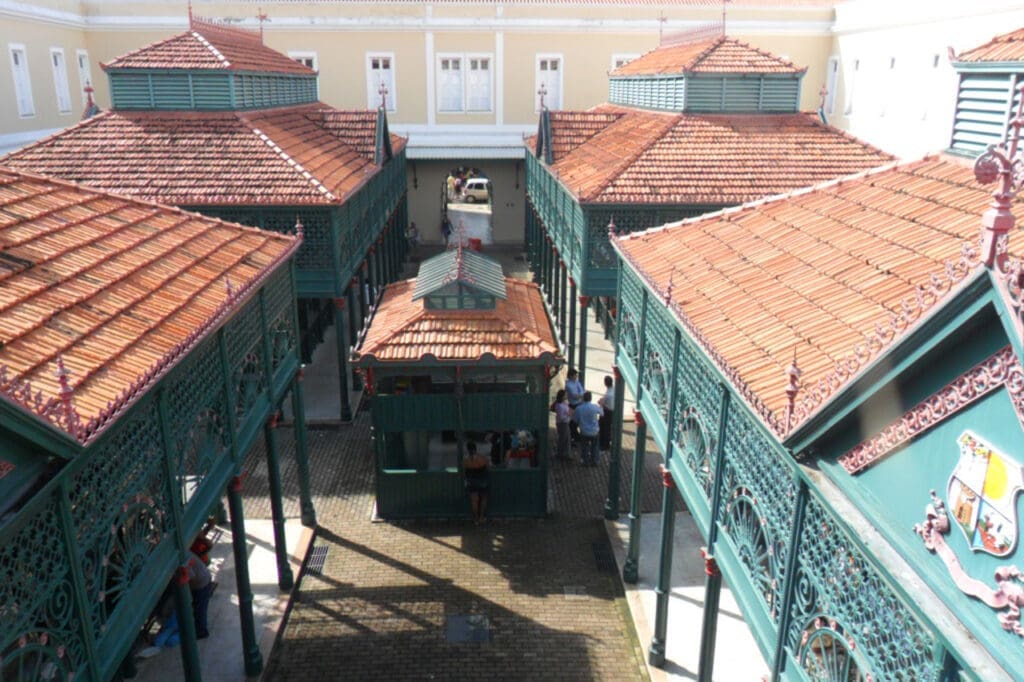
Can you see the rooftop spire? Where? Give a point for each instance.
(383, 92)
(1003, 164)
(793, 374)
(261, 17)
(90, 105)
(542, 91)
(69, 414)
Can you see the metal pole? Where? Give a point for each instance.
(611, 505)
(344, 371)
(250, 649)
(572, 324)
(631, 568)
(302, 453)
(285, 579)
(656, 652)
(582, 364)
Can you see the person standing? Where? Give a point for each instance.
(588, 415)
(574, 392)
(562, 416)
(607, 403)
(475, 468)
(200, 583)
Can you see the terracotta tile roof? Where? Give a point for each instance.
(818, 272)
(1008, 47)
(119, 289)
(717, 55)
(638, 156)
(284, 156)
(208, 45)
(403, 331)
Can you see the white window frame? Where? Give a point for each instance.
(444, 62)
(467, 80)
(539, 79)
(466, 61)
(84, 73)
(831, 84)
(61, 87)
(22, 87)
(305, 57)
(373, 81)
(621, 59)
(851, 86)
(888, 85)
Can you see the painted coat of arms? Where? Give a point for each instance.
(982, 492)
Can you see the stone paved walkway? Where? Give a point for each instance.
(390, 597)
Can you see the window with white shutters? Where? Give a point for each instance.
(449, 83)
(84, 74)
(380, 71)
(60, 80)
(549, 78)
(478, 84)
(22, 81)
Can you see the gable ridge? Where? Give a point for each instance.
(669, 123)
(139, 50)
(712, 46)
(209, 46)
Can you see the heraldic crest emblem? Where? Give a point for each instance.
(982, 492)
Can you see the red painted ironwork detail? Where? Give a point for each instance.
(1009, 592)
(666, 477)
(300, 374)
(792, 388)
(236, 484)
(339, 302)
(5, 467)
(584, 301)
(273, 419)
(1003, 164)
(638, 417)
(369, 381)
(617, 373)
(1001, 369)
(710, 565)
(182, 575)
(354, 282)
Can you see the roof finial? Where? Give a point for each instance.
(66, 394)
(671, 286)
(723, 16)
(1003, 163)
(542, 92)
(661, 26)
(299, 228)
(612, 230)
(190, 13)
(230, 289)
(261, 17)
(383, 92)
(90, 104)
(793, 373)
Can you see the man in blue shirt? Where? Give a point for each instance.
(588, 415)
(574, 392)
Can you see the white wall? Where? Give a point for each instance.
(908, 109)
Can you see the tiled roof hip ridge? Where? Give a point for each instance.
(132, 53)
(609, 178)
(82, 123)
(309, 177)
(760, 51)
(19, 391)
(209, 46)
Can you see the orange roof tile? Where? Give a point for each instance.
(209, 45)
(717, 55)
(403, 331)
(815, 273)
(613, 154)
(307, 154)
(1008, 47)
(119, 289)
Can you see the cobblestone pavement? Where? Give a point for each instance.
(391, 596)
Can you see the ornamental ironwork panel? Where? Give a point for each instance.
(656, 377)
(279, 305)
(197, 418)
(846, 617)
(40, 627)
(118, 504)
(757, 479)
(698, 409)
(630, 310)
(243, 337)
(315, 252)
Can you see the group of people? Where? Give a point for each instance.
(456, 181)
(581, 421)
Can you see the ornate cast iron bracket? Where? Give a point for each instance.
(1009, 594)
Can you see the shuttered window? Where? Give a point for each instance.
(22, 81)
(60, 80)
(380, 72)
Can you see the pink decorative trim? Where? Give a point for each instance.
(1002, 369)
(1009, 593)
(5, 467)
(910, 311)
(61, 413)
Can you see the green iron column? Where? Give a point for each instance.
(344, 371)
(302, 452)
(353, 296)
(572, 325)
(372, 275)
(563, 281)
(713, 581)
(656, 652)
(364, 302)
(789, 587)
(631, 568)
(186, 625)
(611, 505)
(250, 648)
(556, 293)
(582, 364)
(285, 579)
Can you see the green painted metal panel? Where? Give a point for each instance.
(172, 91)
(664, 93)
(983, 108)
(211, 91)
(130, 91)
(475, 271)
(738, 93)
